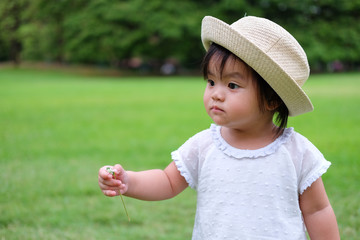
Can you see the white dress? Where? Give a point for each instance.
(249, 194)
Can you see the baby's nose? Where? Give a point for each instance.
(218, 94)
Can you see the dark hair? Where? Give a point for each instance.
(266, 95)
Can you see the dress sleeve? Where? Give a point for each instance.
(188, 158)
(313, 165)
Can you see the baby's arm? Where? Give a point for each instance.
(148, 185)
(318, 214)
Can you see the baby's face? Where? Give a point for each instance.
(230, 98)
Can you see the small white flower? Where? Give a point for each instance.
(110, 170)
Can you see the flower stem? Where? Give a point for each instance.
(110, 170)
(122, 199)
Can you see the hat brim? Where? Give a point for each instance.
(217, 31)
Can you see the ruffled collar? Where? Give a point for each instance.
(241, 153)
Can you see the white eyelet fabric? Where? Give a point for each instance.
(249, 194)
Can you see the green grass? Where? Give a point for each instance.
(57, 129)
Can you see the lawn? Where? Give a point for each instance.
(57, 129)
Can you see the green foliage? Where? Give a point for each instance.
(112, 32)
(11, 19)
(57, 130)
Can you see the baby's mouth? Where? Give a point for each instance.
(216, 109)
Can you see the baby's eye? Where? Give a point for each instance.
(233, 86)
(211, 82)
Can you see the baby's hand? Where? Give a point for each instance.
(112, 180)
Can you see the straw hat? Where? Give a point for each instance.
(270, 50)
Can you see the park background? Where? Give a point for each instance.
(89, 83)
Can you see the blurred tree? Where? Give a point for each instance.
(334, 34)
(109, 32)
(44, 34)
(11, 18)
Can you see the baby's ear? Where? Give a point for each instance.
(271, 105)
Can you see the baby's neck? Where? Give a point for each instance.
(250, 140)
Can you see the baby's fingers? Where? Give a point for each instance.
(113, 190)
(109, 182)
(109, 188)
(110, 193)
(104, 174)
(119, 171)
